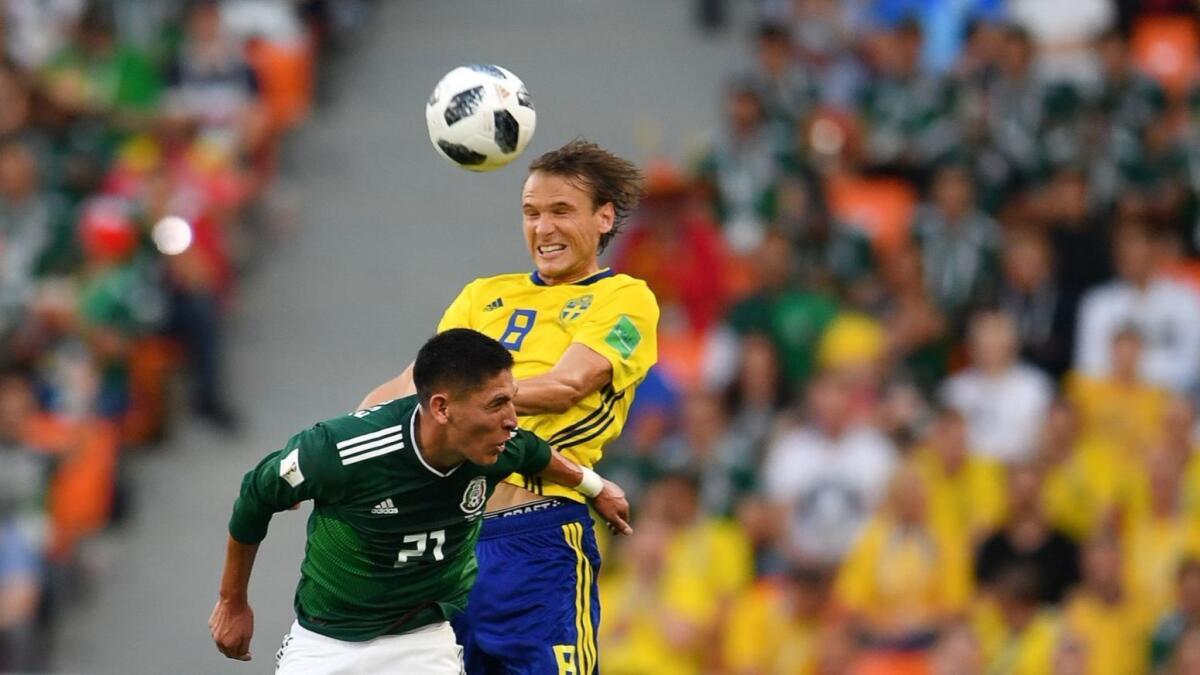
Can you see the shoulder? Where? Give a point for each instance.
(630, 289)
(385, 419)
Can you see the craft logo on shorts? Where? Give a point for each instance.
(474, 496)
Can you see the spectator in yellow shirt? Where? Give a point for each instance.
(1017, 636)
(963, 489)
(1158, 534)
(775, 627)
(906, 577)
(1121, 407)
(1112, 625)
(1085, 477)
(667, 608)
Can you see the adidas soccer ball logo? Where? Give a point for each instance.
(474, 119)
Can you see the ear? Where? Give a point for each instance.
(608, 216)
(439, 408)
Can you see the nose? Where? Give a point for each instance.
(510, 418)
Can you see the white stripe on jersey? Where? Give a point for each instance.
(366, 437)
(373, 444)
(373, 453)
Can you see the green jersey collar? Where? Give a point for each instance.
(412, 424)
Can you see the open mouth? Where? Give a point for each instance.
(551, 249)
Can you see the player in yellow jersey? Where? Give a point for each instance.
(582, 338)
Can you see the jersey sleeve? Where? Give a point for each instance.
(623, 328)
(458, 314)
(531, 454)
(306, 468)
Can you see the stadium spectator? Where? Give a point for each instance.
(95, 73)
(1122, 408)
(1111, 624)
(1158, 534)
(917, 330)
(668, 226)
(777, 626)
(959, 245)
(1086, 477)
(906, 111)
(1027, 540)
(1080, 241)
(31, 219)
(683, 575)
(965, 489)
(211, 87)
(1044, 311)
(1166, 314)
(722, 459)
(787, 88)
(908, 574)
(1002, 399)
(1016, 632)
(743, 168)
(827, 474)
(23, 480)
(793, 318)
(1064, 30)
(1185, 617)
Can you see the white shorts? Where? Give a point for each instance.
(429, 650)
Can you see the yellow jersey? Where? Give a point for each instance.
(614, 315)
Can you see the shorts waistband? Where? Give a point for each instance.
(537, 515)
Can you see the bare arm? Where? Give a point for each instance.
(610, 502)
(578, 373)
(397, 387)
(232, 620)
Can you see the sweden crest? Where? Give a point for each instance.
(575, 308)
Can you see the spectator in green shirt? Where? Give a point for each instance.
(793, 318)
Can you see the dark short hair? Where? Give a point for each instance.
(460, 359)
(610, 179)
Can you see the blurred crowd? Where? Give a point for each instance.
(930, 352)
(139, 149)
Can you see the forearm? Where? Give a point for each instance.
(397, 387)
(547, 394)
(562, 471)
(239, 561)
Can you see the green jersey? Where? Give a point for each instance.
(391, 540)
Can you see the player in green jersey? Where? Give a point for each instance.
(399, 491)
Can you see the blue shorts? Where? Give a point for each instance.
(534, 608)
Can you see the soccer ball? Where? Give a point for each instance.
(480, 117)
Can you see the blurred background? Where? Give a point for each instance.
(929, 349)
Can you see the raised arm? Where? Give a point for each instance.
(397, 387)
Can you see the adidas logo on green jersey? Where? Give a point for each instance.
(495, 304)
(385, 508)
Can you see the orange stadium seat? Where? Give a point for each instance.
(1166, 48)
(881, 207)
(893, 663)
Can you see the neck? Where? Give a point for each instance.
(572, 277)
(432, 444)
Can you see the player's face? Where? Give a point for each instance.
(563, 227)
(482, 420)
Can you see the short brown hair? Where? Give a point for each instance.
(610, 179)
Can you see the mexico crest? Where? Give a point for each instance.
(574, 308)
(474, 496)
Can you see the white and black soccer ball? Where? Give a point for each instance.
(480, 117)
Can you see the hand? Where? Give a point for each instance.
(232, 626)
(613, 508)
